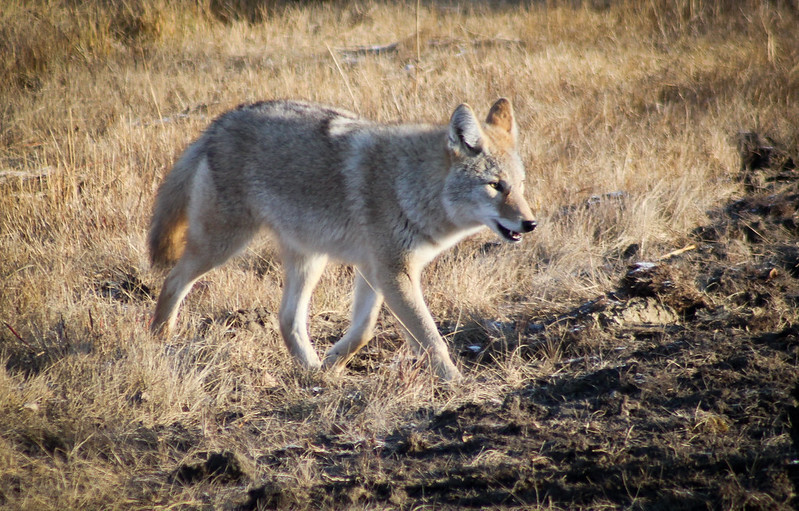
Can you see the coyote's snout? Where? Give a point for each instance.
(328, 184)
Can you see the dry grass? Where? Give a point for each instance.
(99, 97)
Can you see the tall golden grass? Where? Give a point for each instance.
(97, 99)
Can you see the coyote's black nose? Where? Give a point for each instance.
(528, 225)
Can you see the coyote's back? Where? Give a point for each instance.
(386, 198)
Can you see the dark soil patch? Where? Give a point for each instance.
(220, 466)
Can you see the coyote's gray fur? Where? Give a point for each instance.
(385, 198)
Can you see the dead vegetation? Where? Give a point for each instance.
(640, 352)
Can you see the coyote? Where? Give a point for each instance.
(385, 198)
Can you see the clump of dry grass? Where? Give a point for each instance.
(626, 114)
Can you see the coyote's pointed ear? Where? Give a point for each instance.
(501, 116)
(465, 135)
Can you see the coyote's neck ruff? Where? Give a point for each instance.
(385, 198)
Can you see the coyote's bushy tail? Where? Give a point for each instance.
(167, 235)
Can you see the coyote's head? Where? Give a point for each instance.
(485, 184)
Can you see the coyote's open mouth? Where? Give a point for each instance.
(512, 236)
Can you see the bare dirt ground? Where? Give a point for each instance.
(692, 407)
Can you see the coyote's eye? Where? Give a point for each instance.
(500, 186)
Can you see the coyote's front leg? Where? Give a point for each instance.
(365, 308)
(403, 294)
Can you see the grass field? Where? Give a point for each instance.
(630, 116)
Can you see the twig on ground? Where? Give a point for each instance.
(677, 252)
